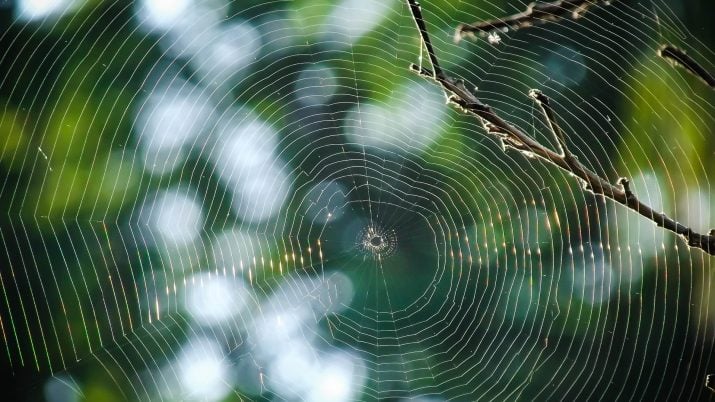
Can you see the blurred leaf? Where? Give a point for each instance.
(13, 141)
(72, 189)
(667, 125)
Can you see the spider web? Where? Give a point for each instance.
(211, 200)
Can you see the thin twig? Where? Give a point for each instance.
(559, 136)
(543, 101)
(679, 58)
(416, 11)
(513, 137)
(535, 14)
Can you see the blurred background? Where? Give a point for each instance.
(256, 200)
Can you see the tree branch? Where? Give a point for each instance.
(535, 14)
(679, 58)
(513, 137)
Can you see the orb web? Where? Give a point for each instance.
(250, 200)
